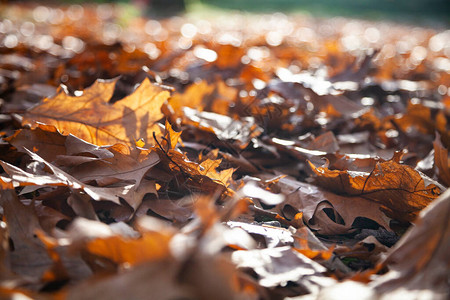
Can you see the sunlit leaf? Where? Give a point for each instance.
(400, 189)
(91, 117)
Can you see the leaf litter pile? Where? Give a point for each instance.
(237, 157)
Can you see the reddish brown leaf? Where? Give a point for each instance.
(45, 140)
(29, 257)
(441, 161)
(400, 189)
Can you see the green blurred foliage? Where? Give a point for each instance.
(400, 10)
(373, 9)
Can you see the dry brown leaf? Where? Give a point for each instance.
(173, 210)
(124, 165)
(369, 249)
(325, 142)
(420, 261)
(441, 161)
(326, 212)
(91, 118)
(400, 189)
(61, 178)
(51, 145)
(45, 140)
(29, 255)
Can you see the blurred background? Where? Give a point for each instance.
(429, 12)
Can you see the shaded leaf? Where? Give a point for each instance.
(326, 212)
(45, 140)
(441, 161)
(162, 285)
(61, 178)
(124, 165)
(420, 261)
(29, 255)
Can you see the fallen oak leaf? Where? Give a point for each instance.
(171, 137)
(163, 284)
(87, 162)
(45, 140)
(29, 256)
(420, 261)
(91, 118)
(215, 97)
(418, 264)
(22, 178)
(401, 190)
(368, 249)
(441, 161)
(125, 165)
(61, 178)
(48, 216)
(325, 212)
(53, 146)
(208, 168)
(174, 160)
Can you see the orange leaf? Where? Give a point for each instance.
(192, 97)
(151, 246)
(90, 116)
(208, 168)
(171, 135)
